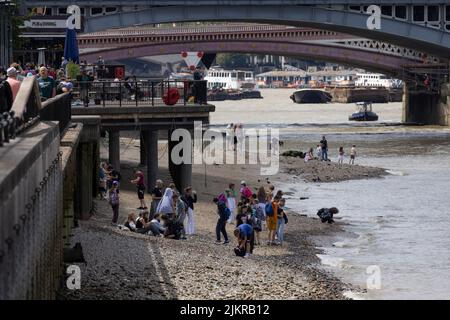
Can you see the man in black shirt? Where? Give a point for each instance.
(190, 197)
(324, 145)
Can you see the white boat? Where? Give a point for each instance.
(376, 80)
(231, 79)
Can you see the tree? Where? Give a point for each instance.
(232, 60)
(16, 22)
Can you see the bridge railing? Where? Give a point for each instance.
(27, 110)
(139, 93)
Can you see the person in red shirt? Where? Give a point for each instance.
(139, 182)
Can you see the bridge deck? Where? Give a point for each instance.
(147, 117)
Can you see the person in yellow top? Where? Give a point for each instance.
(272, 221)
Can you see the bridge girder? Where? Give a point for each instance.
(397, 32)
(371, 61)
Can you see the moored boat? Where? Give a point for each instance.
(364, 113)
(311, 96)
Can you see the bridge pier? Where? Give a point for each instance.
(150, 152)
(142, 149)
(114, 148)
(181, 173)
(426, 106)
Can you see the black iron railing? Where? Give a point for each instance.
(138, 93)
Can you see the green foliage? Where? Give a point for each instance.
(73, 70)
(16, 22)
(232, 60)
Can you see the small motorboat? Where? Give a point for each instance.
(311, 96)
(364, 113)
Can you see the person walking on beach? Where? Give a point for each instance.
(245, 191)
(114, 201)
(157, 194)
(223, 213)
(352, 155)
(139, 182)
(272, 219)
(189, 198)
(324, 145)
(341, 155)
(102, 180)
(281, 221)
(231, 201)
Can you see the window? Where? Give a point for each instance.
(386, 11)
(418, 13)
(355, 8)
(110, 9)
(433, 13)
(96, 11)
(62, 11)
(447, 13)
(401, 12)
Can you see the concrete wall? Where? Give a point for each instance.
(31, 202)
(426, 107)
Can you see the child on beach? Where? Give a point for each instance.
(319, 152)
(281, 221)
(113, 196)
(257, 218)
(231, 200)
(271, 213)
(341, 155)
(223, 213)
(352, 155)
(139, 182)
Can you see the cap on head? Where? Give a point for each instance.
(11, 72)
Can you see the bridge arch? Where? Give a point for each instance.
(402, 33)
(372, 61)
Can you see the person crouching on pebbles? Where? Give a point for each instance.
(245, 236)
(326, 215)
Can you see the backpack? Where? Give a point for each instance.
(227, 213)
(113, 198)
(222, 198)
(247, 192)
(269, 209)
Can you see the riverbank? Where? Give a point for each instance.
(124, 265)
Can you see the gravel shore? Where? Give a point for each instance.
(125, 265)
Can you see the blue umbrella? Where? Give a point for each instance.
(71, 46)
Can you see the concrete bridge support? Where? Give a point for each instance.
(87, 166)
(149, 149)
(114, 148)
(181, 173)
(427, 107)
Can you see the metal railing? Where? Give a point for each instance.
(137, 93)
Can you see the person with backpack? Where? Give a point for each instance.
(246, 192)
(231, 200)
(114, 201)
(224, 214)
(257, 218)
(272, 219)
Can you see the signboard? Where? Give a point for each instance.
(192, 58)
(45, 24)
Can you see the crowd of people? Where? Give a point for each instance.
(171, 213)
(252, 211)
